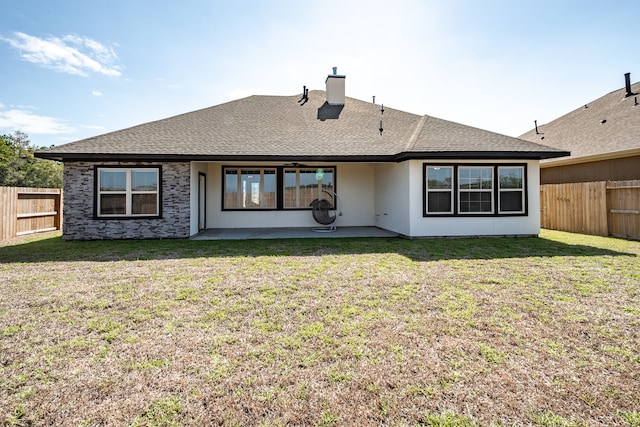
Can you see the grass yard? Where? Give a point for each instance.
(462, 332)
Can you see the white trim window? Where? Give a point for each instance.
(439, 185)
(511, 189)
(131, 192)
(250, 188)
(475, 190)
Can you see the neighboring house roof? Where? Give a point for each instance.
(292, 128)
(606, 128)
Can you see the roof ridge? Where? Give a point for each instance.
(417, 131)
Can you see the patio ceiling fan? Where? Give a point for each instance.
(325, 211)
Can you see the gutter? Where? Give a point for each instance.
(590, 158)
(392, 158)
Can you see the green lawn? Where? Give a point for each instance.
(444, 332)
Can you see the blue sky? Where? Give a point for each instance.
(72, 69)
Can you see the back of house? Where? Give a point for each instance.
(261, 161)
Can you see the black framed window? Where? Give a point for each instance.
(439, 188)
(511, 189)
(127, 191)
(303, 185)
(474, 189)
(250, 188)
(270, 188)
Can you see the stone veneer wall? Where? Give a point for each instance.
(78, 216)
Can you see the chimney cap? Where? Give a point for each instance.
(335, 74)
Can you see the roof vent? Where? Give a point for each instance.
(627, 85)
(305, 95)
(335, 88)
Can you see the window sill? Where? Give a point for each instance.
(124, 217)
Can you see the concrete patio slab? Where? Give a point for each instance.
(289, 233)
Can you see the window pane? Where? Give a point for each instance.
(308, 187)
(511, 201)
(231, 189)
(308, 178)
(113, 204)
(327, 180)
(464, 172)
(475, 201)
(476, 178)
(510, 177)
(144, 204)
(231, 181)
(113, 180)
(144, 180)
(301, 186)
(250, 182)
(269, 191)
(258, 188)
(290, 192)
(439, 177)
(439, 202)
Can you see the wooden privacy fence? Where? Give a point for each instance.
(604, 208)
(29, 210)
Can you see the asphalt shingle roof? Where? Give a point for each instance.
(609, 124)
(286, 127)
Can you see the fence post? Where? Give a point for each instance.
(7, 212)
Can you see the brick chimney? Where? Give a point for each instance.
(335, 88)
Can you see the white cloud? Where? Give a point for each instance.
(96, 92)
(70, 54)
(30, 123)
